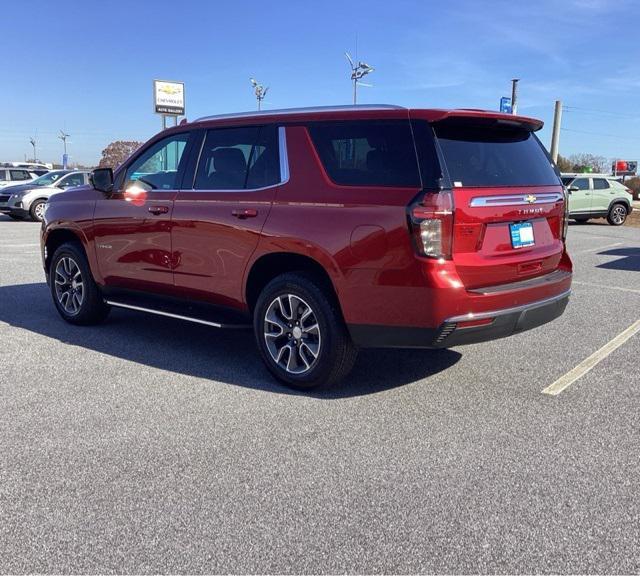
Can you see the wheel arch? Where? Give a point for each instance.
(57, 237)
(273, 264)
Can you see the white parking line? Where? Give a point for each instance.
(599, 248)
(581, 369)
(18, 245)
(632, 290)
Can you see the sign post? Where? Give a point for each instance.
(168, 100)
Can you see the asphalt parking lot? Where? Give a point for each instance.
(149, 445)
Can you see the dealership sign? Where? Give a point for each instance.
(168, 97)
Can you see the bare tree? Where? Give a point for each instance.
(584, 162)
(117, 152)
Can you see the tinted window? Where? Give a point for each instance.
(157, 167)
(3, 174)
(20, 175)
(567, 181)
(600, 184)
(365, 153)
(238, 159)
(581, 183)
(490, 154)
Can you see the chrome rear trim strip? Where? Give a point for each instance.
(555, 276)
(516, 199)
(505, 311)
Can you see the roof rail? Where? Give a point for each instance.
(362, 107)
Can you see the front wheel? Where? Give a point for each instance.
(617, 215)
(37, 210)
(75, 293)
(300, 332)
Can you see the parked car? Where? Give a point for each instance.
(597, 196)
(28, 200)
(327, 229)
(10, 176)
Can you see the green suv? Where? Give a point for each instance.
(597, 196)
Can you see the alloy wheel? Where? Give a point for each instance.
(292, 334)
(69, 285)
(38, 210)
(618, 214)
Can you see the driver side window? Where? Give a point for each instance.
(581, 183)
(157, 168)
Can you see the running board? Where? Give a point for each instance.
(158, 312)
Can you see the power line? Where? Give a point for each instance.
(579, 110)
(600, 134)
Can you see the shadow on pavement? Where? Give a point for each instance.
(629, 259)
(223, 355)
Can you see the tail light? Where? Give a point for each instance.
(565, 216)
(431, 222)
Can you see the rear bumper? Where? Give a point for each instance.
(452, 332)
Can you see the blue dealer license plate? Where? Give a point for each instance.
(521, 234)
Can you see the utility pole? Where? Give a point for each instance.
(63, 136)
(33, 143)
(514, 95)
(358, 71)
(260, 91)
(555, 136)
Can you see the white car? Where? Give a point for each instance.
(10, 176)
(28, 200)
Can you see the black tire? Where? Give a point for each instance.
(617, 214)
(336, 353)
(36, 211)
(581, 220)
(87, 306)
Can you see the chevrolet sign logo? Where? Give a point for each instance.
(530, 199)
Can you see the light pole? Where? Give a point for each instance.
(63, 136)
(33, 143)
(259, 90)
(514, 95)
(358, 71)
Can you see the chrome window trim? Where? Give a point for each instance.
(311, 109)
(515, 199)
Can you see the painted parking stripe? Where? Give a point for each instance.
(632, 290)
(581, 369)
(599, 248)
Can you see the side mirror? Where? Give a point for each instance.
(102, 179)
(573, 189)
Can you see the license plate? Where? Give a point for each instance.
(521, 234)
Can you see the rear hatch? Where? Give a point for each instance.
(508, 200)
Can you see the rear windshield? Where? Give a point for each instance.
(489, 154)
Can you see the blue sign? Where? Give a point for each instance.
(505, 105)
(65, 161)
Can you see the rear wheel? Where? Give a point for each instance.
(75, 294)
(617, 215)
(300, 333)
(37, 210)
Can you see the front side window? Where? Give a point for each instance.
(71, 180)
(243, 158)
(3, 175)
(157, 167)
(581, 183)
(481, 153)
(367, 153)
(600, 184)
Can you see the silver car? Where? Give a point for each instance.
(28, 200)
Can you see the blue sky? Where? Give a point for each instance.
(87, 67)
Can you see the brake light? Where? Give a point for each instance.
(565, 215)
(431, 221)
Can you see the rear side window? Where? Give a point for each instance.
(20, 175)
(486, 154)
(367, 153)
(600, 184)
(239, 159)
(3, 175)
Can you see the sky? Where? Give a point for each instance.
(86, 67)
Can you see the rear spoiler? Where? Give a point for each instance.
(525, 122)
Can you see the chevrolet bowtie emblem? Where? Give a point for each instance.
(531, 198)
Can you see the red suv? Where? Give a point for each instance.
(328, 229)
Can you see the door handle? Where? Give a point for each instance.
(245, 213)
(158, 210)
